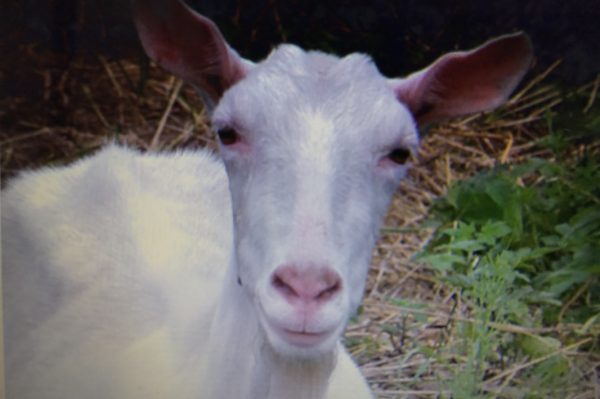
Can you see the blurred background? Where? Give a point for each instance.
(401, 35)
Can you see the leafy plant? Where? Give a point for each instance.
(520, 245)
(537, 225)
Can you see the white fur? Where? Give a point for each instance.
(129, 276)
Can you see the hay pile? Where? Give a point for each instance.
(71, 111)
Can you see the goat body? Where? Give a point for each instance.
(182, 275)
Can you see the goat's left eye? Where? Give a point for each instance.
(228, 136)
(399, 156)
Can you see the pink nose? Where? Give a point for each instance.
(307, 284)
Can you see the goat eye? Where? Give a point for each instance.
(399, 156)
(228, 136)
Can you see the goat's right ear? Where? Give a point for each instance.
(188, 45)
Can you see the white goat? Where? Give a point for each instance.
(127, 275)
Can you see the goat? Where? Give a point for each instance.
(130, 275)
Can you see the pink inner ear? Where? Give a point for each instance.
(466, 82)
(188, 45)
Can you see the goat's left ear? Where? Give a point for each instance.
(461, 83)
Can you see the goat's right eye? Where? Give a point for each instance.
(228, 136)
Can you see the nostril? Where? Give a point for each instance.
(306, 284)
(283, 287)
(329, 292)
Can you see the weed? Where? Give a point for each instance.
(520, 245)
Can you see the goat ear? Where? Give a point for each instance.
(188, 45)
(461, 83)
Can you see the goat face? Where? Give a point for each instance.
(306, 140)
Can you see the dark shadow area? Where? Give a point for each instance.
(401, 35)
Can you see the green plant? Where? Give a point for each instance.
(520, 245)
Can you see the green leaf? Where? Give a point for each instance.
(464, 245)
(492, 231)
(442, 262)
(537, 346)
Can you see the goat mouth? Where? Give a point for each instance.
(292, 335)
(303, 339)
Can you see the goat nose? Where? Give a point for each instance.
(306, 284)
